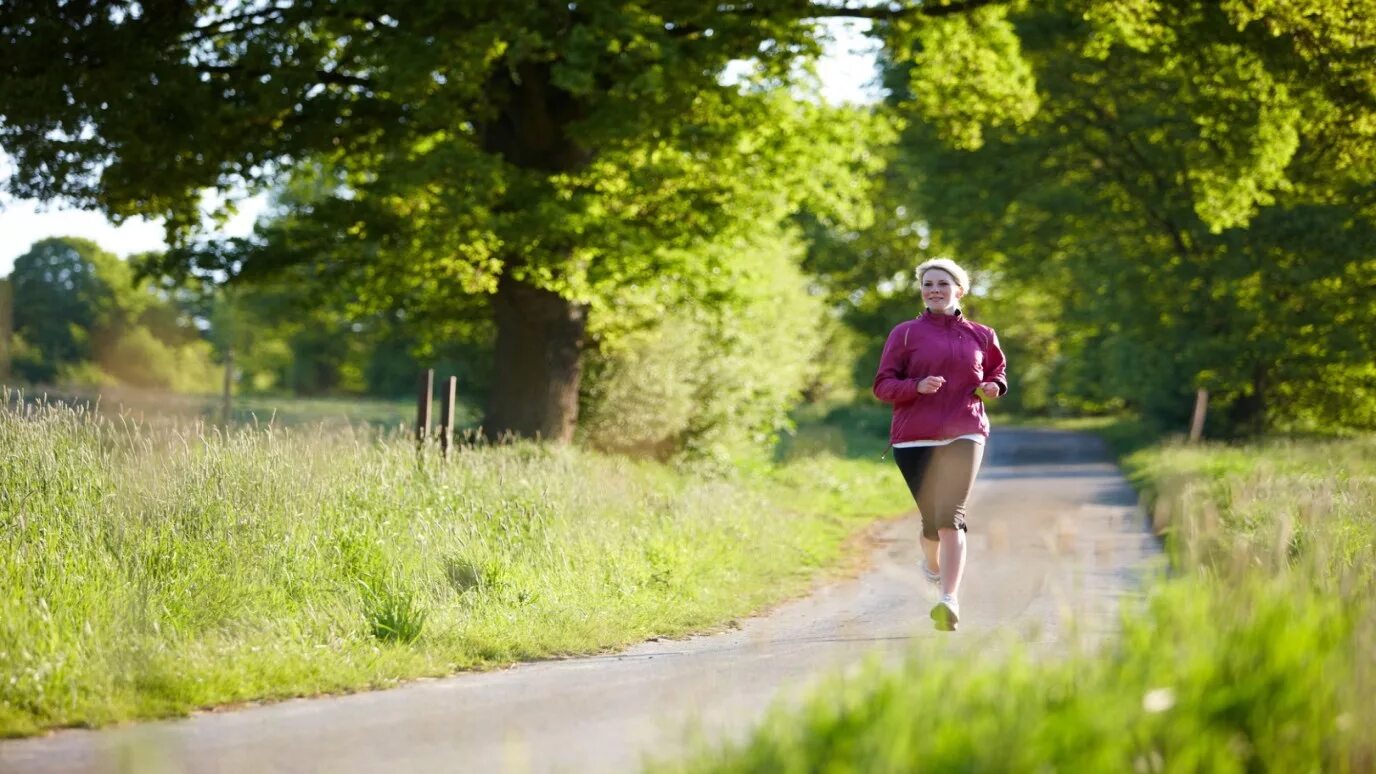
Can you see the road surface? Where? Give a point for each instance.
(1056, 536)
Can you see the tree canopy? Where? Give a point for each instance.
(80, 316)
(1191, 206)
(561, 159)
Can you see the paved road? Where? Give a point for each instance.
(1056, 533)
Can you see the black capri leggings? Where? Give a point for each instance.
(940, 478)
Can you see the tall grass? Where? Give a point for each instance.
(1259, 653)
(149, 569)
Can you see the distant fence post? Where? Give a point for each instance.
(1201, 405)
(227, 408)
(451, 389)
(425, 392)
(6, 326)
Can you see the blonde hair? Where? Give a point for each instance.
(950, 267)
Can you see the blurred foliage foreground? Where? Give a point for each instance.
(1259, 653)
(150, 569)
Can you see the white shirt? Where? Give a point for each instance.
(976, 437)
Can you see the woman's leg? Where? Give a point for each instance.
(929, 551)
(913, 462)
(952, 555)
(950, 477)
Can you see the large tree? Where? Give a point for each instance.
(79, 315)
(540, 152)
(1192, 209)
(67, 293)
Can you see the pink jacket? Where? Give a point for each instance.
(964, 352)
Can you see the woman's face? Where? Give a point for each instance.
(940, 291)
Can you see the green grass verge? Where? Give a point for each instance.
(147, 570)
(1259, 653)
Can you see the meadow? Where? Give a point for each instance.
(1257, 653)
(151, 568)
(156, 406)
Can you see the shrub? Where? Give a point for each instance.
(712, 381)
(138, 358)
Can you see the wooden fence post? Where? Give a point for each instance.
(424, 393)
(451, 388)
(227, 407)
(1201, 405)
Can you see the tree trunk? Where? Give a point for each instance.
(1248, 414)
(538, 363)
(227, 407)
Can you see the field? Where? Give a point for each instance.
(145, 407)
(1258, 653)
(147, 569)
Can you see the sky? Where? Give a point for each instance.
(847, 74)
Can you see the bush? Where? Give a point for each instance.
(139, 359)
(640, 400)
(84, 374)
(712, 381)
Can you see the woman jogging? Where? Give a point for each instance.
(934, 371)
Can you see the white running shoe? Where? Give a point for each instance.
(946, 614)
(933, 578)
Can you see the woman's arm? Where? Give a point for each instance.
(995, 366)
(891, 382)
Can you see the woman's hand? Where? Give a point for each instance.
(989, 390)
(931, 384)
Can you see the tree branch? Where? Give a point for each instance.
(225, 25)
(891, 13)
(234, 24)
(333, 77)
(819, 11)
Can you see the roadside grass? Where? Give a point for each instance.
(1258, 653)
(150, 569)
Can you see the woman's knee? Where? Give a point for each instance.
(952, 520)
